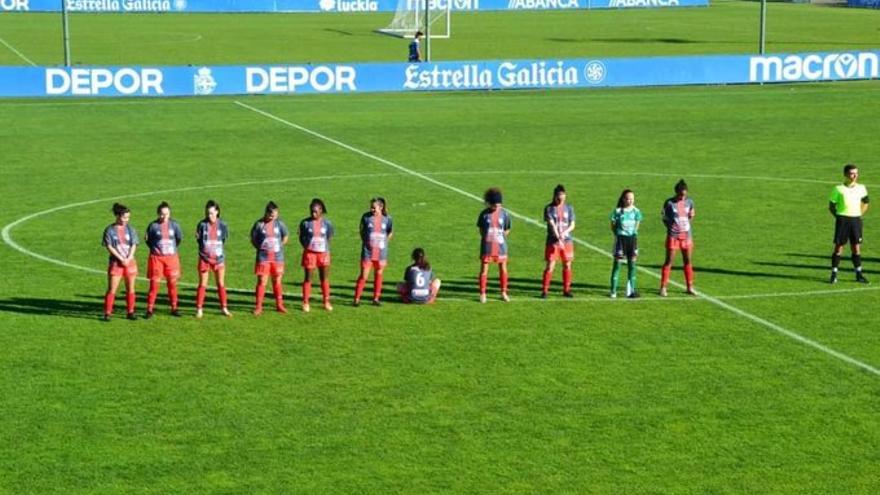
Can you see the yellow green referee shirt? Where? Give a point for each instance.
(849, 199)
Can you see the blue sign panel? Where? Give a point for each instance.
(865, 4)
(444, 76)
(327, 5)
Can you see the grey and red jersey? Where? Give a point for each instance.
(493, 225)
(268, 239)
(122, 238)
(418, 283)
(315, 235)
(163, 238)
(375, 230)
(563, 216)
(677, 215)
(211, 238)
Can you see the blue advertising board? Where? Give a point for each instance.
(193, 6)
(444, 76)
(865, 4)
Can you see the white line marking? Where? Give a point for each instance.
(713, 300)
(21, 55)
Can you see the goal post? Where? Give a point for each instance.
(412, 15)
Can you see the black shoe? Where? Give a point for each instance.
(834, 278)
(568, 294)
(105, 317)
(634, 295)
(132, 316)
(543, 295)
(356, 303)
(147, 315)
(861, 278)
(376, 302)
(175, 313)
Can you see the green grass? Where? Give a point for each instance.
(726, 27)
(676, 395)
(590, 395)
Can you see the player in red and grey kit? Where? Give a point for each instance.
(163, 238)
(560, 219)
(121, 242)
(211, 234)
(375, 231)
(678, 211)
(494, 225)
(419, 284)
(269, 235)
(315, 233)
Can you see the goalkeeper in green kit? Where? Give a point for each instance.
(625, 220)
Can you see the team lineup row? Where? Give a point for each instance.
(270, 234)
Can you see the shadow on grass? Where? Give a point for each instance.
(53, 307)
(739, 273)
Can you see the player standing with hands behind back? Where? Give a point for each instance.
(848, 202)
(494, 225)
(678, 211)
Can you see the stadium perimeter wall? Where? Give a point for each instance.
(192, 6)
(865, 4)
(160, 81)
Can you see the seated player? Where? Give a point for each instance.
(419, 286)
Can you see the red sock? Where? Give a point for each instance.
(260, 293)
(325, 290)
(172, 294)
(359, 288)
(689, 274)
(377, 287)
(566, 279)
(221, 291)
(154, 293)
(130, 298)
(279, 293)
(484, 281)
(307, 292)
(504, 282)
(545, 284)
(109, 299)
(200, 297)
(664, 275)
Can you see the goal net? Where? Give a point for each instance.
(410, 17)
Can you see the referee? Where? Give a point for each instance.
(848, 202)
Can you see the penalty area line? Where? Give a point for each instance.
(715, 301)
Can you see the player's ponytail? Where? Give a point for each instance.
(120, 209)
(420, 260)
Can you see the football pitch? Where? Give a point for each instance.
(768, 382)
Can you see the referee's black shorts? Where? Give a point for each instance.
(847, 230)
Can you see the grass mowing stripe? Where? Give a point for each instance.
(721, 304)
(21, 55)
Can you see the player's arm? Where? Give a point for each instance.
(833, 199)
(285, 234)
(390, 231)
(832, 207)
(666, 215)
(113, 252)
(134, 247)
(178, 234)
(254, 231)
(865, 204)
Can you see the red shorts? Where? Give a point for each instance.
(674, 243)
(312, 260)
(207, 266)
(493, 259)
(554, 252)
(117, 269)
(269, 268)
(159, 267)
(375, 264)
